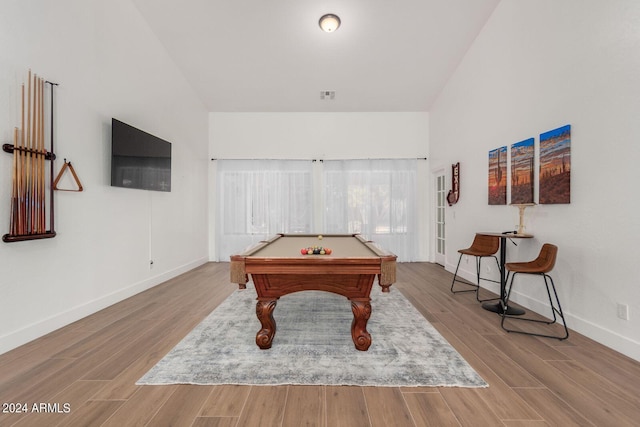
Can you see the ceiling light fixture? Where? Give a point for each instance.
(329, 22)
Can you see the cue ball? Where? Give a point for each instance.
(320, 237)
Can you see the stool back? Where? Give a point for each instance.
(543, 264)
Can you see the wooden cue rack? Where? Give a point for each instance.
(28, 199)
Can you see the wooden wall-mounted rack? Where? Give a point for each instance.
(28, 198)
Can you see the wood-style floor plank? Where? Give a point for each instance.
(182, 406)
(92, 413)
(387, 407)
(305, 406)
(470, 409)
(226, 401)
(430, 410)
(509, 371)
(499, 396)
(264, 406)
(346, 407)
(93, 364)
(555, 411)
(16, 361)
(74, 396)
(215, 422)
(141, 407)
(118, 329)
(584, 400)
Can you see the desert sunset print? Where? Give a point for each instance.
(498, 176)
(522, 171)
(555, 166)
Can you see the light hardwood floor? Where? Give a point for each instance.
(92, 365)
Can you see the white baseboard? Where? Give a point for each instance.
(42, 327)
(606, 337)
(582, 326)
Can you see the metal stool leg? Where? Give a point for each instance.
(553, 305)
(476, 287)
(488, 280)
(455, 279)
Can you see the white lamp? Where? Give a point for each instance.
(329, 22)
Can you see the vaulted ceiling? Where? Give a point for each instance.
(271, 56)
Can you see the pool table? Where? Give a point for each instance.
(277, 268)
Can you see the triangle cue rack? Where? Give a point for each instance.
(29, 192)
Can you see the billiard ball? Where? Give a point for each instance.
(320, 237)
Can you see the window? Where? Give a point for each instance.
(376, 198)
(260, 198)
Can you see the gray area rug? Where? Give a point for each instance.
(313, 346)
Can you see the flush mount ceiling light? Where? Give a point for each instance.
(329, 22)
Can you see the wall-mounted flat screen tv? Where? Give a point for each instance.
(139, 159)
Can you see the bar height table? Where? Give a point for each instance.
(499, 306)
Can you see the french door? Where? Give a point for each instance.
(439, 219)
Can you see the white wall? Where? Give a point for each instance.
(321, 136)
(538, 65)
(318, 135)
(108, 64)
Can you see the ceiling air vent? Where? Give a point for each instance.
(327, 94)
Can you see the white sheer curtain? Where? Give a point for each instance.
(376, 198)
(259, 198)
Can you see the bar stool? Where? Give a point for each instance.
(482, 247)
(542, 265)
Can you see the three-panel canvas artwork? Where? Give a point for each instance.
(554, 170)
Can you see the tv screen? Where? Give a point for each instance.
(139, 159)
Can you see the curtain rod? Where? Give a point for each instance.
(322, 160)
(298, 160)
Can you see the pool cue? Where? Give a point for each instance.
(23, 164)
(27, 171)
(43, 153)
(37, 155)
(33, 228)
(34, 156)
(20, 167)
(30, 159)
(36, 183)
(14, 191)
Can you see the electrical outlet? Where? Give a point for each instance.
(623, 311)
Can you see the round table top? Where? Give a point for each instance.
(508, 234)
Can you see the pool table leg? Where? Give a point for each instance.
(361, 312)
(264, 311)
(385, 288)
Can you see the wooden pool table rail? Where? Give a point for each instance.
(381, 262)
